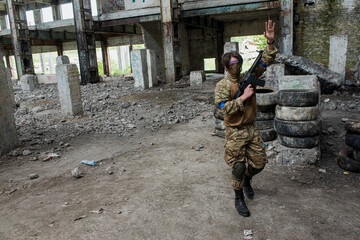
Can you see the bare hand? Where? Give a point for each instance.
(248, 92)
(269, 31)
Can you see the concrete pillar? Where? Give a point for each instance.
(29, 82)
(20, 37)
(184, 49)
(85, 41)
(50, 64)
(62, 60)
(118, 50)
(3, 22)
(197, 78)
(337, 58)
(11, 89)
(286, 27)
(68, 83)
(140, 69)
(8, 136)
(273, 73)
(56, 12)
(153, 39)
(37, 16)
(151, 65)
(125, 57)
(42, 62)
(105, 57)
(168, 39)
(60, 49)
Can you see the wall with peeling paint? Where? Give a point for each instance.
(317, 20)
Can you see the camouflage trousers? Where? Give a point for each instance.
(244, 145)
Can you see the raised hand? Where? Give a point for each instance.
(269, 31)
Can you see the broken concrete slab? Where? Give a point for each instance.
(67, 76)
(8, 134)
(29, 82)
(329, 80)
(197, 78)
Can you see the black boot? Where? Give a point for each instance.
(240, 204)
(248, 190)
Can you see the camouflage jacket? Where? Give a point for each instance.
(235, 113)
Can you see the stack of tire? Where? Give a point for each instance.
(297, 120)
(219, 123)
(349, 159)
(266, 98)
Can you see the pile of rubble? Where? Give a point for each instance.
(108, 108)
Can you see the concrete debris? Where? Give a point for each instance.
(109, 170)
(33, 176)
(77, 173)
(199, 147)
(26, 152)
(105, 111)
(329, 80)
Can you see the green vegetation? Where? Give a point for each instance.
(210, 64)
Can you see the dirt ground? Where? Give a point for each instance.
(162, 188)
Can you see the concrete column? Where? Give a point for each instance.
(42, 62)
(11, 89)
(56, 12)
(153, 39)
(125, 57)
(3, 22)
(184, 49)
(197, 77)
(37, 16)
(50, 64)
(118, 50)
(105, 57)
(151, 64)
(286, 27)
(273, 73)
(85, 41)
(140, 68)
(20, 37)
(68, 83)
(337, 58)
(168, 39)
(8, 136)
(60, 49)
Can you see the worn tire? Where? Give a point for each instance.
(298, 98)
(296, 113)
(266, 96)
(268, 135)
(353, 125)
(265, 124)
(219, 124)
(218, 113)
(264, 115)
(356, 155)
(346, 161)
(352, 140)
(299, 142)
(298, 128)
(269, 108)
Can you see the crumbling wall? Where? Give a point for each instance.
(109, 6)
(317, 20)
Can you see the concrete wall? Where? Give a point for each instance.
(317, 20)
(109, 6)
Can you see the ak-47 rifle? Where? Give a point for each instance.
(250, 78)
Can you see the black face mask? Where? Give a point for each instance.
(234, 69)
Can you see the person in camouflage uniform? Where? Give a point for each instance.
(244, 148)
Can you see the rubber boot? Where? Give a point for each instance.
(240, 204)
(248, 190)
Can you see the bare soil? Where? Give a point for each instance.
(162, 188)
